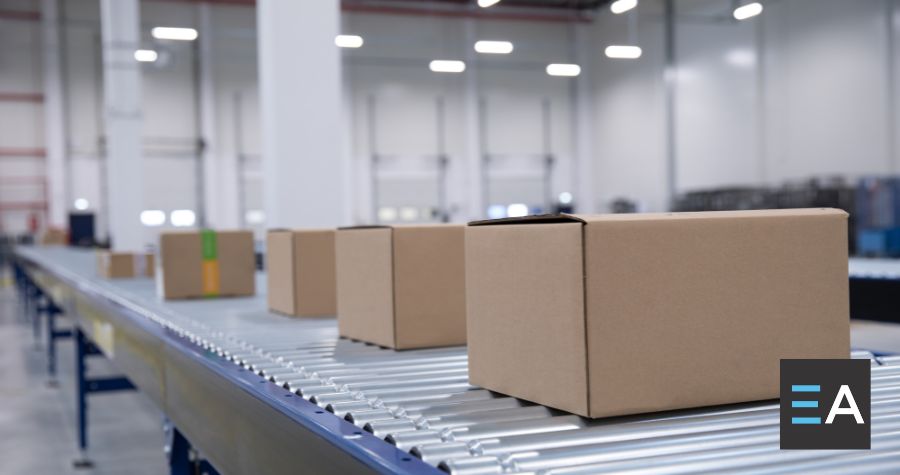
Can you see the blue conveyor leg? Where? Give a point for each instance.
(52, 336)
(85, 386)
(81, 353)
(181, 461)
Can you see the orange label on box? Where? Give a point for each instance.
(211, 278)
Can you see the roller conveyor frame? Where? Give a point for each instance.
(236, 385)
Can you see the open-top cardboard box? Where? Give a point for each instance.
(620, 314)
(402, 287)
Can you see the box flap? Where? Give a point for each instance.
(761, 213)
(532, 219)
(364, 226)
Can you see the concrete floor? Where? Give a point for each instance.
(38, 431)
(38, 422)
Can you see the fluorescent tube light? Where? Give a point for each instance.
(171, 33)
(562, 69)
(487, 3)
(493, 47)
(748, 11)
(348, 41)
(622, 6)
(623, 52)
(447, 66)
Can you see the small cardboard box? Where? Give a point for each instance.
(301, 272)
(116, 265)
(206, 264)
(402, 287)
(624, 314)
(55, 237)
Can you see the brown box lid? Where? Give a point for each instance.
(402, 286)
(676, 310)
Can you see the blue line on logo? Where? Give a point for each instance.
(804, 403)
(806, 420)
(805, 388)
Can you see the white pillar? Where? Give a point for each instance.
(123, 119)
(583, 105)
(213, 183)
(476, 208)
(305, 176)
(54, 116)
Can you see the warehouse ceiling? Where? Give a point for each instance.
(544, 4)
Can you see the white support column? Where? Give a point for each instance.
(123, 120)
(214, 186)
(476, 208)
(54, 116)
(305, 176)
(583, 106)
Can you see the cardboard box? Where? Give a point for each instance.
(115, 265)
(206, 264)
(402, 287)
(623, 314)
(301, 272)
(55, 237)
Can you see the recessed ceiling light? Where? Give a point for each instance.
(172, 33)
(348, 41)
(748, 11)
(623, 51)
(563, 69)
(493, 47)
(622, 6)
(145, 55)
(447, 66)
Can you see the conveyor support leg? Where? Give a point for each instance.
(181, 462)
(84, 386)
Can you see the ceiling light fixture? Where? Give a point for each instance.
(622, 6)
(563, 69)
(447, 66)
(172, 33)
(623, 52)
(749, 10)
(493, 47)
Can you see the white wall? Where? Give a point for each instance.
(802, 90)
(21, 122)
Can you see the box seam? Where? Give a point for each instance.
(584, 321)
(294, 280)
(393, 291)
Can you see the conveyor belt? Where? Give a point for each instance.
(420, 401)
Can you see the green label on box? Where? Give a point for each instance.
(208, 237)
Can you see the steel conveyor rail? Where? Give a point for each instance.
(421, 404)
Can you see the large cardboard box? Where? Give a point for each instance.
(402, 287)
(206, 264)
(116, 265)
(622, 314)
(301, 272)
